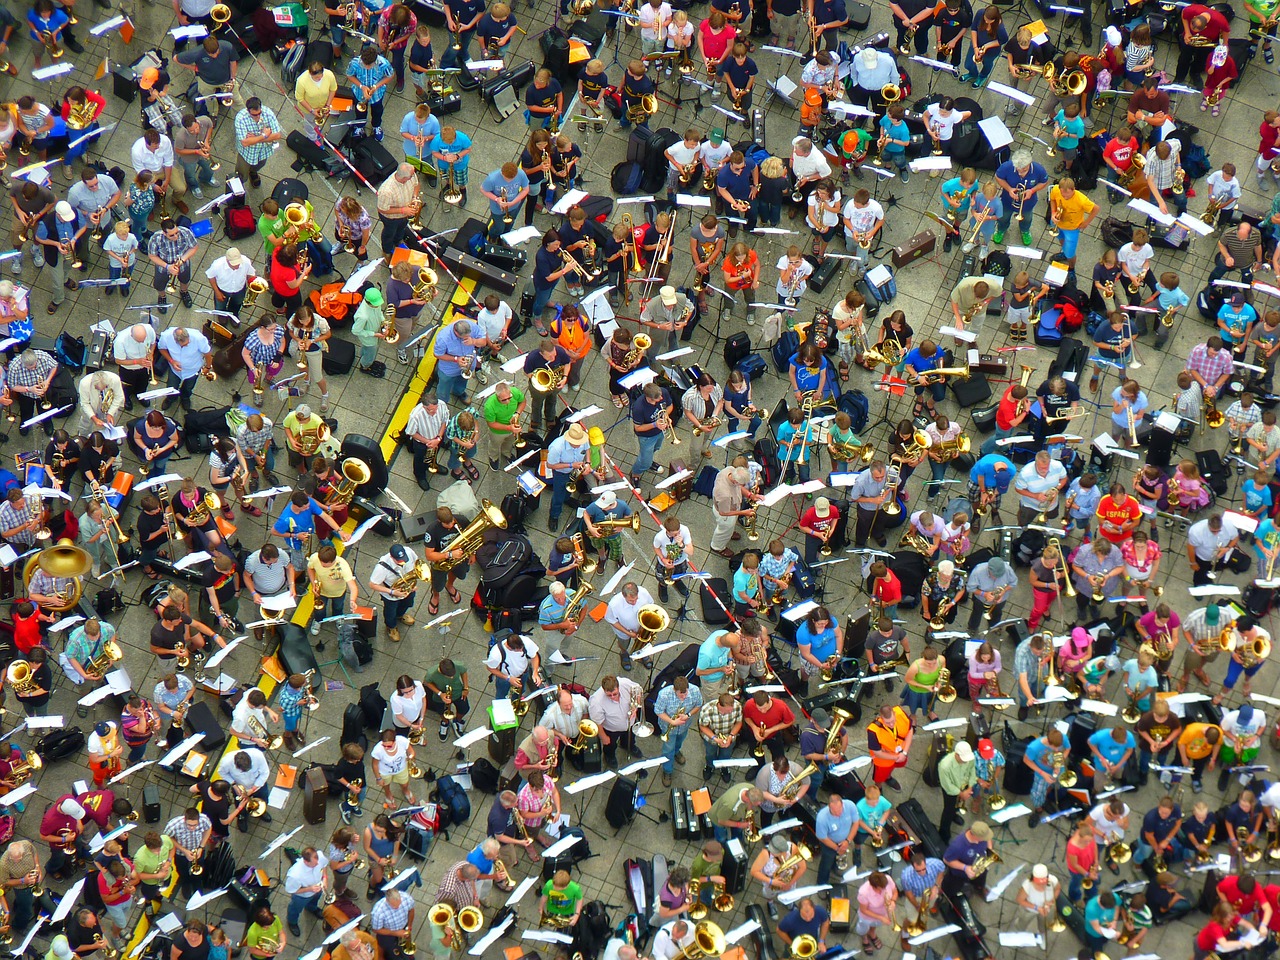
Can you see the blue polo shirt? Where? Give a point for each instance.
(739, 73)
(1094, 910)
(738, 184)
(918, 362)
(986, 469)
(1112, 751)
(1157, 825)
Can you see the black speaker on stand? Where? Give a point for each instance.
(367, 449)
(1160, 447)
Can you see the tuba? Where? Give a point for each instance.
(468, 540)
(653, 621)
(20, 677)
(355, 473)
(64, 560)
(546, 379)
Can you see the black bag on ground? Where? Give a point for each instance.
(201, 426)
(735, 348)
(1017, 775)
(353, 725)
(592, 930)
(484, 776)
(373, 160)
(449, 793)
(1116, 233)
(374, 706)
(60, 744)
(713, 614)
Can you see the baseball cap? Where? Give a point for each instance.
(819, 716)
(373, 297)
(607, 499)
(399, 553)
(71, 807)
(60, 947)
(964, 752)
(717, 135)
(822, 506)
(1040, 872)
(1112, 36)
(303, 410)
(150, 77)
(234, 256)
(996, 566)
(1237, 299)
(64, 211)
(668, 295)
(986, 749)
(981, 830)
(1245, 715)
(103, 728)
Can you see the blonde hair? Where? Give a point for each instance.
(773, 167)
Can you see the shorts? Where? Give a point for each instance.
(401, 778)
(825, 233)
(866, 924)
(439, 578)
(1194, 661)
(1068, 153)
(1070, 241)
(1017, 315)
(119, 913)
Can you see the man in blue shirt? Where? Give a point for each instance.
(1111, 749)
(296, 525)
(1159, 834)
(461, 17)
(960, 855)
(506, 188)
(806, 919)
(187, 351)
(454, 346)
(653, 402)
(1236, 318)
(1022, 180)
(919, 361)
(566, 455)
(548, 268)
(736, 187)
(835, 827)
(989, 481)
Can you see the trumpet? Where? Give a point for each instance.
(664, 424)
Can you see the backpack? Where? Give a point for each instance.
(355, 651)
(592, 930)
(201, 426)
(626, 178)
(1116, 233)
(107, 602)
(1097, 323)
(374, 706)
(60, 744)
(857, 406)
(70, 351)
(484, 776)
(239, 222)
(1195, 161)
(455, 805)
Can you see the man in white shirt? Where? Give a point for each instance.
(229, 277)
(253, 705)
(391, 766)
(863, 219)
(391, 567)
(562, 717)
(514, 661)
(808, 166)
(610, 708)
(153, 151)
(425, 429)
(132, 350)
(1211, 546)
(101, 401)
(248, 773)
(494, 319)
(1039, 488)
(305, 883)
(671, 939)
(623, 615)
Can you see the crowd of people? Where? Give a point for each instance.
(1115, 534)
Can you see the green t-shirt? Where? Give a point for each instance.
(452, 684)
(727, 807)
(148, 861)
(495, 411)
(257, 933)
(562, 903)
(270, 227)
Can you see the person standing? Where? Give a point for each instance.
(258, 132)
(189, 355)
(229, 278)
(957, 774)
(58, 233)
(399, 199)
(370, 76)
(171, 250)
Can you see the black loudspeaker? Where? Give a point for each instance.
(1160, 447)
(202, 719)
(972, 390)
(124, 86)
(414, 528)
(288, 190)
(368, 450)
(339, 358)
(151, 803)
(296, 655)
(620, 808)
(502, 745)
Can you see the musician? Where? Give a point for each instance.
(652, 406)
(105, 751)
(813, 746)
(517, 662)
(766, 867)
(671, 939)
(190, 834)
(1038, 895)
(392, 918)
(538, 806)
(47, 590)
(623, 615)
(870, 491)
(682, 164)
(549, 355)
(960, 857)
(253, 706)
(567, 459)
(607, 541)
(173, 693)
(19, 521)
(29, 378)
(265, 937)
(62, 825)
(396, 563)
(1022, 179)
(153, 153)
(1098, 571)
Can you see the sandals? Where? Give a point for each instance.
(473, 473)
(455, 595)
(433, 607)
(617, 402)
(457, 474)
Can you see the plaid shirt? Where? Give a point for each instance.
(454, 890)
(531, 801)
(386, 917)
(1161, 171)
(254, 441)
(454, 431)
(15, 516)
(775, 567)
(171, 251)
(720, 724)
(265, 352)
(917, 884)
(186, 836)
(290, 701)
(247, 125)
(46, 585)
(1242, 416)
(667, 702)
(81, 649)
(370, 76)
(1210, 368)
(1269, 437)
(984, 768)
(20, 375)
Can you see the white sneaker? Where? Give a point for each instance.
(15, 266)
(197, 192)
(38, 259)
(315, 628)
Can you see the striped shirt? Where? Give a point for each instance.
(171, 698)
(247, 125)
(427, 424)
(1161, 171)
(668, 703)
(15, 515)
(371, 76)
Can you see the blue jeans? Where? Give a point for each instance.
(801, 470)
(299, 902)
(115, 273)
(938, 471)
(184, 387)
(158, 466)
(1010, 208)
(1144, 759)
(329, 607)
(559, 493)
(650, 443)
(1220, 269)
(715, 752)
(75, 153)
(675, 743)
(137, 753)
(540, 300)
(988, 63)
(451, 56)
(451, 387)
(502, 686)
(770, 214)
(1075, 887)
(138, 225)
(826, 862)
(734, 424)
(368, 354)
(393, 610)
(1144, 852)
(199, 172)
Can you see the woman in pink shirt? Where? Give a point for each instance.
(715, 39)
(877, 902)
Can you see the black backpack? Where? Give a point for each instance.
(374, 706)
(484, 776)
(201, 426)
(60, 744)
(353, 725)
(592, 930)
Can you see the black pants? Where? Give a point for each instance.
(867, 525)
(617, 738)
(59, 861)
(543, 407)
(950, 804)
(437, 705)
(953, 883)
(1238, 562)
(135, 380)
(394, 232)
(420, 456)
(660, 571)
(977, 610)
(1191, 61)
(921, 42)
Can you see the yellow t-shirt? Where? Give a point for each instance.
(1074, 210)
(333, 578)
(1193, 741)
(315, 94)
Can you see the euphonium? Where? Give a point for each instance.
(469, 539)
(639, 344)
(653, 620)
(425, 288)
(946, 692)
(546, 379)
(257, 287)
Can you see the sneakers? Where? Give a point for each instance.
(197, 192)
(38, 259)
(998, 237)
(377, 133)
(444, 730)
(315, 628)
(905, 174)
(458, 728)
(15, 267)
(1166, 778)
(402, 356)
(1026, 238)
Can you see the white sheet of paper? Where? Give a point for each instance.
(68, 901)
(568, 200)
(523, 235)
(1013, 94)
(45, 723)
(277, 797)
(18, 795)
(169, 923)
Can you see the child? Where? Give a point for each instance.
(794, 441)
(679, 38)
(985, 211)
(1224, 192)
(1221, 73)
(1022, 300)
(1068, 129)
(1169, 299)
(746, 586)
(1149, 485)
(895, 136)
(793, 276)
(1257, 494)
(636, 85)
(292, 696)
(122, 253)
(956, 194)
(219, 948)
(142, 200)
(617, 258)
(1189, 402)
(1138, 922)
(562, 564)
(842, 435)
(1118, 156)
(591, 84)
(777, 571)
(1187, 492)
(1235, 322)
(1084, 495)
(1139, 56)
(26, 626)
(849, 316)
(1135, 263)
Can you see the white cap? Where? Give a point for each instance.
(1112, 36)
(64, 211)
(607, 499)
(1039, 872)
(60, 947)
(964, 752)
(668, 295)
(71, 807)
(870, 57)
